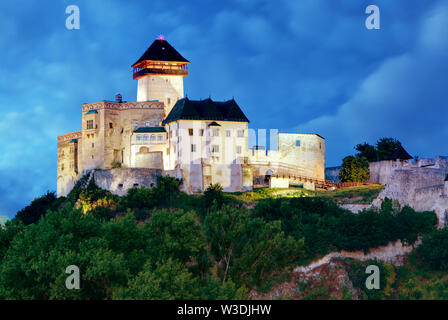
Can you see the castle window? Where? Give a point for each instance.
(215, 132)
(62, 167)
(201, 132)
(111, 125)
(240, 133)
(160, 137)
(193, 148)
(89, 124)
(139, 138)
(135, 123)
(169, 100)
(153, 137)
(120, 186)
(147, 123)
(145, 137)
(135, 185)
(297, 143)
(93, 145)
(238, 149)
(227, 133)
(190, 132)
(215, 148)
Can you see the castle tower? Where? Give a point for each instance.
(160, 72)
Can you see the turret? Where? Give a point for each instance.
(160, 72)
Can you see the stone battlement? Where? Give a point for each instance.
(122, 105)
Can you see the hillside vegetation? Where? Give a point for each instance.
(161, 243)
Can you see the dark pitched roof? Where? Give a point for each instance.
(186, 109)
(214, 124)
(161, 50)
(149, 129)
(400, 154)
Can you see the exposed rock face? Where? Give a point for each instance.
(332, 275)
(355, 208)
(329, 272)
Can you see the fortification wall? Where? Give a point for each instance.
(119, 180)
(421, 188)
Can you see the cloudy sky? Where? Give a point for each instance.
(295, 65)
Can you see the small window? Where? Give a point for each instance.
(145, 137)
(190, 132)
(169, 100)
(89, 124)
(227, 133)
(215, 148)
(160, 137)
(135, 185)
(201, 132)
(238, 149)
(297, 143)
(93, 145)
(215, 132)
(139, 138)
(147, 124)
(120, 186)
(62, 167)
(193, 148)
(135, 123)
(153, 137)
(240, 133)
(111, 125)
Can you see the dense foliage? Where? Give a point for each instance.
(38, 208)
(160, 243)
(383, 150)
(354, 170)
(434, 249)
(326, 227)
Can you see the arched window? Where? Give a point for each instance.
(144, 149)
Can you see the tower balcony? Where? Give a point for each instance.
(160, 69)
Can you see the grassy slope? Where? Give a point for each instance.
(352, 195)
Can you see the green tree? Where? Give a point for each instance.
(214, 195)
(434, 249)
(38, 208)
(367, 151)
(247, 249)
(168, 280)
(175, 234)
(354, 170)
(167, 190)
(385, 148)
(35, 262)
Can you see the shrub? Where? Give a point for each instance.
(434, 249)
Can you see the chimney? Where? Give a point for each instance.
(118, 98)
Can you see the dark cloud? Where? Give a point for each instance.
(308, 65)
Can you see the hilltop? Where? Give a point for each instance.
(161, 243)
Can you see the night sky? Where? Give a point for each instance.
(308, 66)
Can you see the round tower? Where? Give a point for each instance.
(160, 72)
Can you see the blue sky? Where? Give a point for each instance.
(308, 66)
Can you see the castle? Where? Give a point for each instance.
(128, 144)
